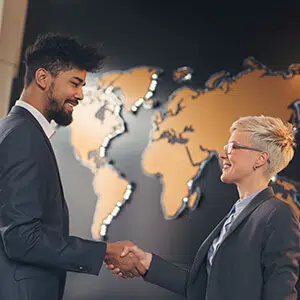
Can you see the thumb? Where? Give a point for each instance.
(125, 251)
(136, 251)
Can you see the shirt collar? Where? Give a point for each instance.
(242, 203)
(47, 127)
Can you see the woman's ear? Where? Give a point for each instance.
(263, 159)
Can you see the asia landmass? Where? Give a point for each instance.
(194, 126)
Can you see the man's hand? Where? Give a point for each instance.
(145, 259)
(129, 265)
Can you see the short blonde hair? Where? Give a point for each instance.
(271, 135)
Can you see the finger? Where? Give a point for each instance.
(135, 272)
(116, 271)
(134, 248)
(136, 251)
(110, 267)
(128, 249)
(125, 251)
(141, 268)
(129, 274)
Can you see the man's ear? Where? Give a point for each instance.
(42, 78)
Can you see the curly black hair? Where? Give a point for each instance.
(57, 53)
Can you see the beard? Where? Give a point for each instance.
(55, 110)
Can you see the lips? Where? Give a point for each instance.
(226, 166)
(72, 103)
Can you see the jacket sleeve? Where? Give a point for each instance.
(22, 196)
(167, 275)
(281, 254)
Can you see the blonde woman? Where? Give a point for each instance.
(253, 253)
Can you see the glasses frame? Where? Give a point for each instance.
(233, 145)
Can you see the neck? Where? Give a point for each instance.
(35, 99)
(248, 187)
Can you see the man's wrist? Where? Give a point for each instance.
(109, 249)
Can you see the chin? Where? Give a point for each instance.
(225, 178)
(64, 122)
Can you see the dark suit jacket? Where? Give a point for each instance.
(35, 247)
(258, 259)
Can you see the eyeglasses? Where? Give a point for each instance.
(233, 145)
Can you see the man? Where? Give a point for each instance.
(36, 249)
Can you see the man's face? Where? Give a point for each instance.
(64, 94)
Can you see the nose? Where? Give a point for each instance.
(223, 154)
(79, 94)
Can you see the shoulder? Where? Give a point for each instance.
(275, 213)
(19, 135)
(282, 227)
(276, 206)
(280, 215)
(9, 124)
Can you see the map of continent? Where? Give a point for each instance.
(194, 126)
(96, 121)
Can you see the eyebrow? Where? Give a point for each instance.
(80, 80)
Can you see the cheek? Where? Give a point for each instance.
(241, 164)
(65, 93)
(58, 96)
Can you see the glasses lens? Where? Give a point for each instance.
(226, 149)
(229, 148)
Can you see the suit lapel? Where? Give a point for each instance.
(256, 201)
(202, 252)
(27, 115)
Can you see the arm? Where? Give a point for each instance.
(159, 271)
(167, 275)
(23, 194)
(281, 254)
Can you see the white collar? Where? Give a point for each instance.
(47, 127)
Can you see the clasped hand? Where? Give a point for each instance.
(125, 259)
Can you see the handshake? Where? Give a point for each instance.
(125, 259)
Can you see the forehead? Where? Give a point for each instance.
(240, 137)
(73, 73)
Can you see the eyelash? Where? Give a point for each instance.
(75, 84)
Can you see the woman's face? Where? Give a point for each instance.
(238, 162)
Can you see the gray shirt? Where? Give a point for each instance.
(237, 208)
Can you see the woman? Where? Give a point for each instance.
(254, 252)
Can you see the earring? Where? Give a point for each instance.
(254, 168)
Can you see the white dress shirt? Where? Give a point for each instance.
(47, 127)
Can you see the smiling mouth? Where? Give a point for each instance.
(71, 103)
(226, 166)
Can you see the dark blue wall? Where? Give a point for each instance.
(209, 38)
